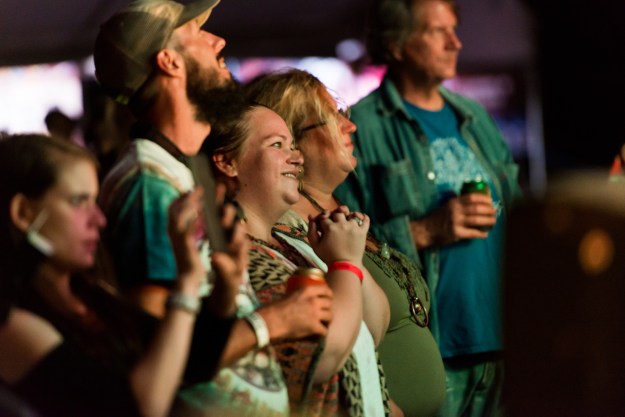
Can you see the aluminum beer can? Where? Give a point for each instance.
(303, 277)
(475, 186)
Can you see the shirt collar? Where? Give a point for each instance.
(149, 132)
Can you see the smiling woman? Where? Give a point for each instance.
(270, 151)
(339, 373)
(411, 359)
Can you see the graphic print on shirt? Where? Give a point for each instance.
(454, 163)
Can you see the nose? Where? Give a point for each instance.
(217, 42)
(296, 157)
(98, 217)
(348, 126)
(453, 41)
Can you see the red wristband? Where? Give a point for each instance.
(346, 266)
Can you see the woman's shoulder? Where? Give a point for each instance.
(25, 339)
(293, 225)
(293, 222)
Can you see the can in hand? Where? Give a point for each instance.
(475, 186)
(303, 277)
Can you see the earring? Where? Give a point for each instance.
(300, 178)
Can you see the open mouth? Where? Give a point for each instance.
(221, 61)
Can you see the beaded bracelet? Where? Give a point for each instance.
(260, 329)
(184, 302)
(346, 266)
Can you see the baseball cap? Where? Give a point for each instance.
(127, 42)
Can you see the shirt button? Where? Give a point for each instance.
(431, 175)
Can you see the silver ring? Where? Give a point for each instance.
(358, 220)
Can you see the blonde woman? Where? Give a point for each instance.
(322, 129)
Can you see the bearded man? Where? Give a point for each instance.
(155, 58)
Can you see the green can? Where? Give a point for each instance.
(475, 186)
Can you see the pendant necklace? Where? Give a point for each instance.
(383, 251)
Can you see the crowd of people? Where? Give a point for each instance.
(114, 301)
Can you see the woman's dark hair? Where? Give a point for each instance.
(228, 135)
(30, 165)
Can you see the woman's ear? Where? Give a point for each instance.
(225, 166)
(21, 211)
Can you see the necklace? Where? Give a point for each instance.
(311, 200)
(403, 271)
(382, 247)
(392, 263)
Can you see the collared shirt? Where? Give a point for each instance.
(395, 180)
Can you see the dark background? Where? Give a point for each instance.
(570, 51)
(581, 62)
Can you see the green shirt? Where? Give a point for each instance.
(394, 181)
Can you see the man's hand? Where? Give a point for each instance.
(466, 217)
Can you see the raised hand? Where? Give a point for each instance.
(230, 266)
(182, 228)
(339, 235)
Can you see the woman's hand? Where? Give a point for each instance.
(183, 227)
(231, 266)
(306, 312)
(339, 235)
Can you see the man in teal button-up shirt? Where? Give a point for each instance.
(416, 144)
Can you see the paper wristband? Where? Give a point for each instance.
(346, 266)
(260, 329)
(184, 302)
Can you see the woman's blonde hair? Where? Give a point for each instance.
(300, 98)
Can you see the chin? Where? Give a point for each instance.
(292, 199)
(348, 166)
(451, 73)
(226, 77)
(87, 262)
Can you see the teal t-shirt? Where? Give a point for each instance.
(135, 196)
(469, 289)
(139, 242)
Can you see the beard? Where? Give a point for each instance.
(214, 97)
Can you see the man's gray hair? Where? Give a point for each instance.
(390, 23)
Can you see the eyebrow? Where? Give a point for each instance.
(274, 136)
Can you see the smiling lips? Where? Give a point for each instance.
(293, 175)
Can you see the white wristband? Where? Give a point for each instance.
(260, 329)
(184, 302)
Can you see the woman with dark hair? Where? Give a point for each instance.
(411, 358)
(69, 345)
(339, 374)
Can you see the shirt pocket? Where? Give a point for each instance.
(396, 182)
